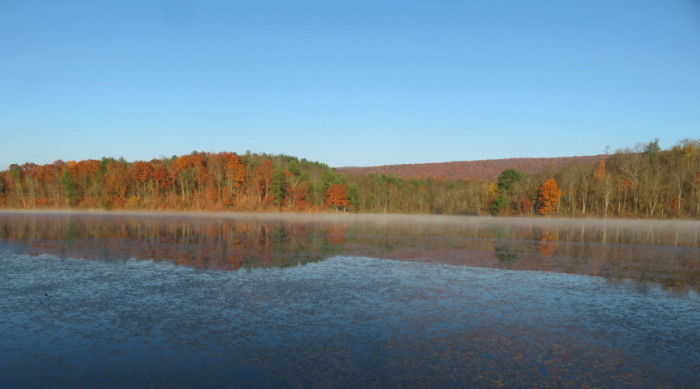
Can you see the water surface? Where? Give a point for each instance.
(346, 301)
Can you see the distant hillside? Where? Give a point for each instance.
(471, 170)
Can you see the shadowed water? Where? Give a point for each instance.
(346, 301)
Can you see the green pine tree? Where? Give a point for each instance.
(340, 179)
(499, 204)
(371, 201)
(294, 167)
(327, 180)
(66, 182)
(279, 187)
(652, 151)
(353, 196)
(509, 177)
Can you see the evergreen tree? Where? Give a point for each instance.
(652, 151)
(278, 186)
(499, 204)
(66, 182)
(340, 179)
(312, 189)
(508, 177)
(327, 180)
(354, 196)
(102, 168)
(15, 172)
(294, 167)
(371, 202)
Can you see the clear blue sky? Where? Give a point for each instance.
(353, 83)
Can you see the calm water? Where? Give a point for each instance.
(331, 301)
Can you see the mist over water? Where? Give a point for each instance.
(271, 300)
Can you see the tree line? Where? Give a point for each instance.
(642, 181)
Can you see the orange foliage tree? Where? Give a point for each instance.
(300, 193)
(83, 172)
(335, 196)
(549, 197)
(116, 183)
(527, 206)
(162, 178)
(264, 174)
(142, 174)
(142, 171)
(235, 171)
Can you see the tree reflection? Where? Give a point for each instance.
(336, 233)
(546, 241)
(667, 256)
(504, 254)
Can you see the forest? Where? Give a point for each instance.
(487, 169)
(643, 181)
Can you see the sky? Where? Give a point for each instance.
(355, 83)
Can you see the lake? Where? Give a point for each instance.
(274, 300)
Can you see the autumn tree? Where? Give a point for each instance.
(31, 181)
(549, 194)
(527, 206)
(300, 195)
(186, 169)
(83, 173)
(235, 174)
(296, 188)
(335, 196)
(117, 180)
(604, 183)
(491, 196)
(264, 176)
(161, 178)
(142, 174)
(54, 174)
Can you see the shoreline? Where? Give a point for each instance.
(358, 217)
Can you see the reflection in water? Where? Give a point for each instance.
(547, 241)
(505, 253)
(648, 252)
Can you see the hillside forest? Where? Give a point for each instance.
(484, 170)
(643, 181)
